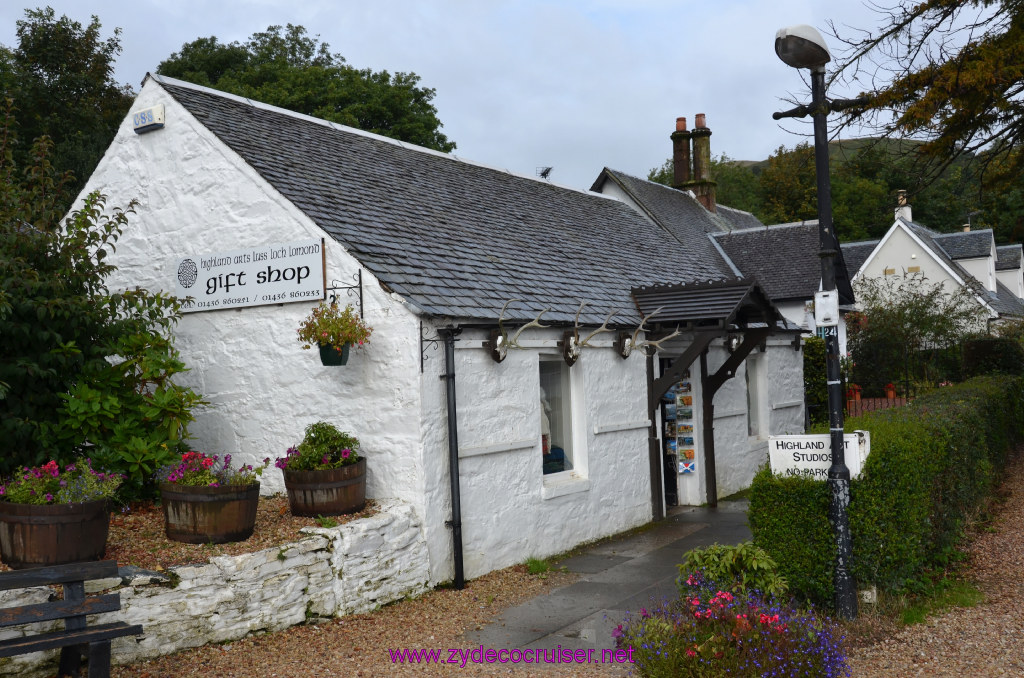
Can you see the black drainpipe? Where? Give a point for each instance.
(448, 335)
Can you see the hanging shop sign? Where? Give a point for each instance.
(254, 276)
(811, 455)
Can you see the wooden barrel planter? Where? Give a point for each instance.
(209, 515)
(35, 535)
(331, 492)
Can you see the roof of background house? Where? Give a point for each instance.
(965, 244)
(1005, 302)
(1008, 257)
(784, 259)
(454, 238)
(676, 211)
(856, 253)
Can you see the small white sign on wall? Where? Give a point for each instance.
(811, 455)
(254, 276)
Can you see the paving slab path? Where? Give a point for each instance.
(616, 576)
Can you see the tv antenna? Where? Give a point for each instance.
(544, 172)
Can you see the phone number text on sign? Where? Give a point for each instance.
(272, 274)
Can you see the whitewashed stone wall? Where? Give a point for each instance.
(349, 569)
(510, 510)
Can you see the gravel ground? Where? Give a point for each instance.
(986, 640)
(981, 641)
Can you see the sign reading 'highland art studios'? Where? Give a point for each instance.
(273, 274)
(811, 455)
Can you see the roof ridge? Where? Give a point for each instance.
(163, 79)
(952, 233)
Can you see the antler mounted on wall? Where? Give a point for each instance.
(499, 342)
(572, 346)
(627, 343)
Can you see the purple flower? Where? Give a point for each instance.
(48, 497)
(346, 453)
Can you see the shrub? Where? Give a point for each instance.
(48, 484)
(993, 355)
(713, 632)
(85, 371)
(931, 464)
(198, 469)
(742, 568)
(322, 447)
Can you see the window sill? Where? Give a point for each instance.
(561, 484)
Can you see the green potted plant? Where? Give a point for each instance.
(205, 501)
(51, 515)
(324, 474)
(334, 331)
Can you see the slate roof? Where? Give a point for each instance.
(738, 218)
(676, 211)
(856, 253)
(784, 259)
(966, 245)
(1005, 302)
(455, 239)
(1008, 257)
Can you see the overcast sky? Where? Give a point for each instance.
(572, 84)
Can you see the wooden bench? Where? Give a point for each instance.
(73, 609)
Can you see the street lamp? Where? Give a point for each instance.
(803, 47)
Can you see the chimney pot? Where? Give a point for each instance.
(967, 228)
(901, 197)
(700, 122)
(680, 124)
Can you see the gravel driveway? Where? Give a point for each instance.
(981, 641)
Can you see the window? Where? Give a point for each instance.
(556, 415)
(756, 415)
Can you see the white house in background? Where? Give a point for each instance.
(551, 440)
(963, 259)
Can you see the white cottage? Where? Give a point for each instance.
(507, 443)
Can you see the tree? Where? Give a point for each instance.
(287, 68)
(907, 329)
(60, 78)
(950, 73)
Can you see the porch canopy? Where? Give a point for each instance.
(739, 309)
(709, 310)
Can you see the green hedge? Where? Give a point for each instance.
(993, 355)
(931, 464)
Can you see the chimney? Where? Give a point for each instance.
(902, 208)
(680, 154)
(702, 185)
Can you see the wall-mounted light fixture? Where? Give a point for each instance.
(732, 342)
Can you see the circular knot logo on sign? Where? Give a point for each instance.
(187, 273)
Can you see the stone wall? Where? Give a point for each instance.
(349, 569)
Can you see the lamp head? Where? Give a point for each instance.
(802, 46)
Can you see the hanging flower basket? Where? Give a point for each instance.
(333, 357)
(334, 331)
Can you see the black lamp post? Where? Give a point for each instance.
(803, 47)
